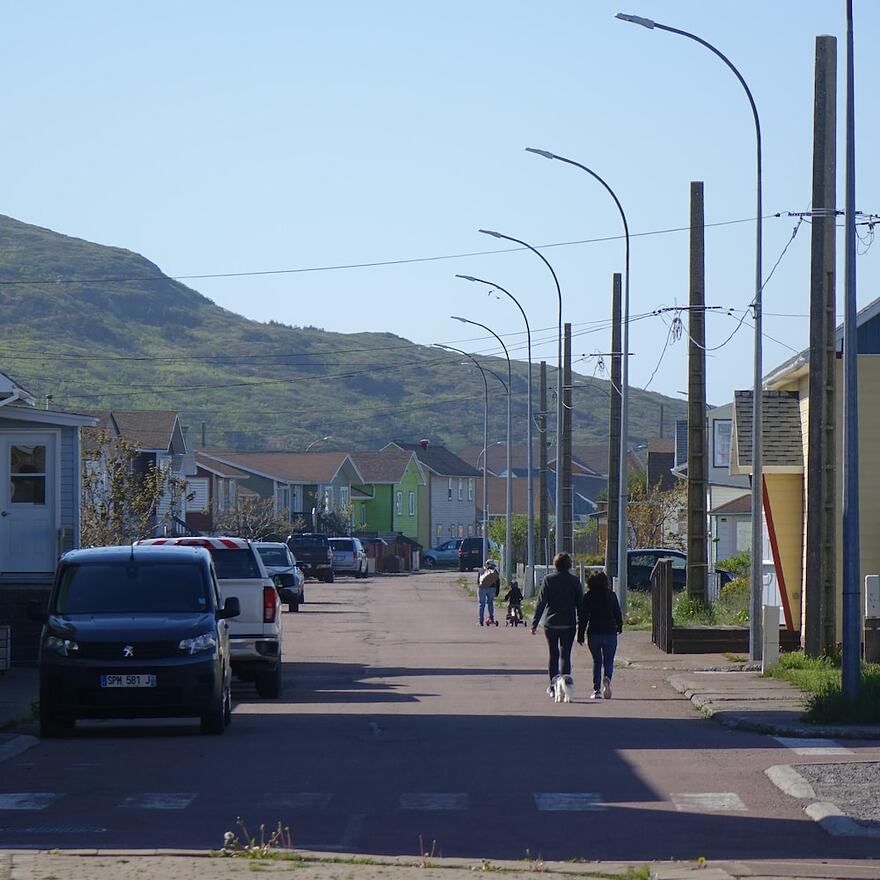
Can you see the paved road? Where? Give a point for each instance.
(402, 718)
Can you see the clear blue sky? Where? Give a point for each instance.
(229, 137)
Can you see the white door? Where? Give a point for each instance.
(28, 534)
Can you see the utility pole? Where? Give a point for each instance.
(612, 518)
(543, 506)
(567, 513)
(697, 481)
(662, 426)
(820, 600)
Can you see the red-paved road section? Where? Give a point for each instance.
(402, 719)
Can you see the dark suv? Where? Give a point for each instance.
(470, 554)
(135, 632)
(313, 555)
(641, 562)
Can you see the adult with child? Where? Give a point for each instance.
(488, 586)
(561, 597)
(602, 621)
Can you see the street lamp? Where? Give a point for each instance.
(319, 440)
(757, 573)
(485, 443)
(559, 381)
(530, 499)
(508, 555)
(623, 493)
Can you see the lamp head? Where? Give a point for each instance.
(457, 318)
(545, 153)
(492, 233)
(636, 19)
(467, 277)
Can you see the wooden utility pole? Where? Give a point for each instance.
(543, 508)
(698, 477)
(567, 512)
(820, 600)
(612, 517)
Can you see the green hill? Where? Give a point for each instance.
(101, 327)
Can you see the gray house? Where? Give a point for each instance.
(451, 490)
(39, 505)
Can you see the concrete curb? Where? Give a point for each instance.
(15, 746)
(787, 779)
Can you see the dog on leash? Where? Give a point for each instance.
(563, 688)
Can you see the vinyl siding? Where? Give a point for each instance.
(446, 512)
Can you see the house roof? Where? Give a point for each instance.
(10, 388)
(388, 466)
(221, 469)
(742, 505)
(438, 459)
(497, 492)
(146, 429)
(287, 467)
(661, 445)
(781, 436)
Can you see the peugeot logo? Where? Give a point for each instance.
(128, 651)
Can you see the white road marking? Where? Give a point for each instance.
(802, 746)
(707, 802)
(27, 800)
(298, 800)
(158, 800)
(438, 800)
(568, 801)
(55, 829)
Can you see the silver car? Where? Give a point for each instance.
(277, 559)
(349, 556)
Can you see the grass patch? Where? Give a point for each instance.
(730, 609)
(638, 610)
(820, 678)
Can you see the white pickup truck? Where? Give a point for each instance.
(255, 635)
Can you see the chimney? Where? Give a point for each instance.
(424, 443)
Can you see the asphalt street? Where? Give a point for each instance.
(403, 721)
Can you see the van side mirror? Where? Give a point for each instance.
(35, 611)
(231, 608)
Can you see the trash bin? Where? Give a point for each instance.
(872, 639)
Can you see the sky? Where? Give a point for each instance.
(220, 137)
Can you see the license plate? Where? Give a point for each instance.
(128, 681)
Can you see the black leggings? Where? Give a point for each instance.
(559, 641)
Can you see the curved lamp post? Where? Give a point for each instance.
(319, 440)
(757, 572)
(623, 489)
(530, 499)
(559, 381)
(508, 546)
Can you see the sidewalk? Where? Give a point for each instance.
(734, 693)
(19, 690)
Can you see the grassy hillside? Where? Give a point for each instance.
(99, 327)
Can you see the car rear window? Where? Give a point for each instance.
(342, 544)
(274, 556)
(308, 542)
(234, 564)
(131, 588)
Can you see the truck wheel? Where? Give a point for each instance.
(329, 578)
(269, 683)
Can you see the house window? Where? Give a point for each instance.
(470, 530)
(450, 489)
(439, 532)
(412, 503)
(343, 495)
(398, 503)
(27, 474)
(471, 489)
(460, 530)
(460, 489)
(282, 498)
(363, 514)
(721, 431)
(452, 530)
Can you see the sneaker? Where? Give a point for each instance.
(551, 692)
(480, 622)
(596, 695)
(606, 688)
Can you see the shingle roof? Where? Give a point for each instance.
(218, 467)
(293, 467)
(736, 506)
(662, 445)
(439, 459)
(781, 436)
(146, 429)
(497, 492)
(388, 466)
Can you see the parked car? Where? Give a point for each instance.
(443, 554)
(255, 635)
(313, 555)
(640, 563)
(135, 632)
(279, 562)
(470, 554)
(349, 556)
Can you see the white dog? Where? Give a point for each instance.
(563, 688)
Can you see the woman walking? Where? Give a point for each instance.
(602, 620)
(561, 596)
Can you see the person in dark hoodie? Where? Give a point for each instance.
(601, 619)
(561, 597)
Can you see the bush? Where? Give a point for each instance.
(739, 565)
(732, 606)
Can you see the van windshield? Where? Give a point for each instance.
(131, 588)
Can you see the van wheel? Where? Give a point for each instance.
(214, 721)
(269, 683)
(53, 725)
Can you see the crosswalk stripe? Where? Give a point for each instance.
(568, 801)
(298, 800)
(801, 746)
(434, 801)
(707, 801)
(158, 800)
(27, 800)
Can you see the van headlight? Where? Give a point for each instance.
(198, 644)
(63, 647)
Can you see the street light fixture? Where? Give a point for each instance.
(559, 380)
(319, 440)
(508, 546)
(623, 493)
(757, 570)
(530, 494)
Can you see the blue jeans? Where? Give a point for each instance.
(603, 648)
(487, 597)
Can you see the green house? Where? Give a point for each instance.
(392, 497)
